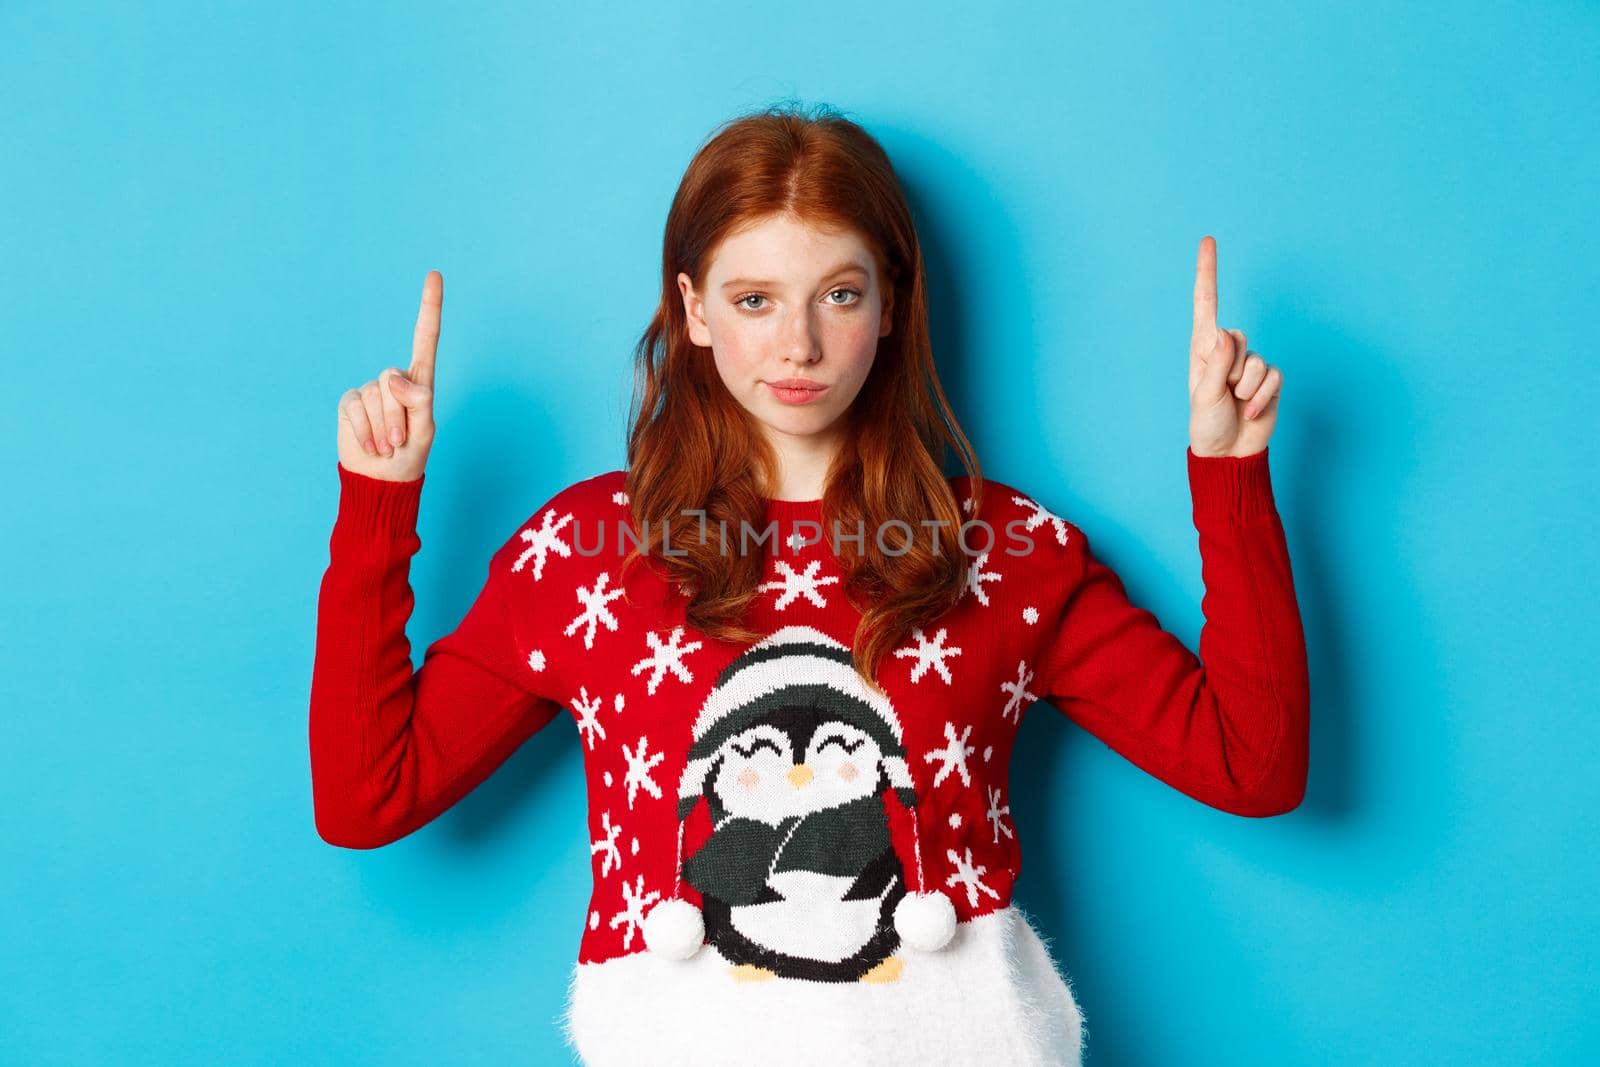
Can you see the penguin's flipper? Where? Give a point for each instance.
(875, 877)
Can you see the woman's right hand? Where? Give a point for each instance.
(386, 425)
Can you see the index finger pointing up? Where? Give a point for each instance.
(1205, 286)
(425, 339)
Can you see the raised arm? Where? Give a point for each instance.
(1233, 732)
(1229, 728)
(392, 748)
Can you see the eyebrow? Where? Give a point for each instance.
(757, 283)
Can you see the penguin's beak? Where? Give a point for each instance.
(800, 774)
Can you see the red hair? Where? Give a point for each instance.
(693, 446)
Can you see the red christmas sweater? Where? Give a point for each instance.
(757, 812)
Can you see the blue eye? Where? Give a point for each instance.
(743, 301)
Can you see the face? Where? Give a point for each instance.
(777, 769)
(792, 315)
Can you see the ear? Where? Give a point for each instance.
(887, 313)
(694, 311)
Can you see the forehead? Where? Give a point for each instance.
(783, 248)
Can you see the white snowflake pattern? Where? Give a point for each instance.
(1030, 614)
(1017, 692)
(929, 654)
(619, 497)
(1040, 515)
(967, 874)
(634, 902)
(955, 820)
(953, 756)
(976, 576)
(966, 504)
(610, 855)
(543, 541)
(639, 768)
(996, 813)
(588, 721)
(665, 657)
(536, 660)
(594, 600)
(796, 584)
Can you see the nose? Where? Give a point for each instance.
(800, 774)
(800, 342)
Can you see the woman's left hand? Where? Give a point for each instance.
(1233, 392)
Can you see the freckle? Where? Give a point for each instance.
(849, 772)
(748, 778)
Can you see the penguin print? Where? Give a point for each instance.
(794, 757)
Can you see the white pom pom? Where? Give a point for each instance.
(925, 921)
(675, 929)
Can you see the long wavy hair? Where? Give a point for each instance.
(691, 445)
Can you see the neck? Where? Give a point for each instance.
(803, 463)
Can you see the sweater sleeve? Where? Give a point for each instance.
(1231, 727)
(393, 748)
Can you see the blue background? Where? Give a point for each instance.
(216, 220)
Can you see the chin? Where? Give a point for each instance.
(798, 423)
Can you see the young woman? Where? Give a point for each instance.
(796, 651)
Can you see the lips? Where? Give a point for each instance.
(797, 390)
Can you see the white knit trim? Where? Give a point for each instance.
(992, 995)
(899, 774)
